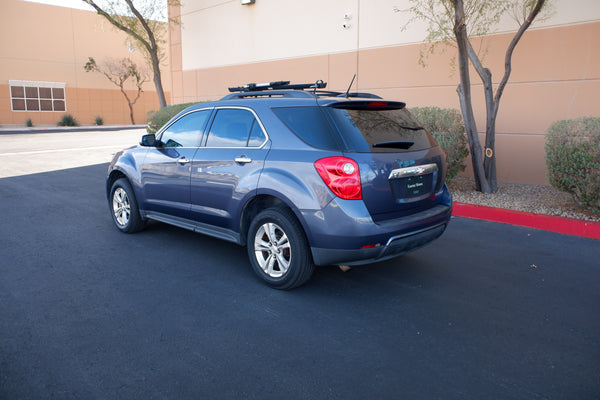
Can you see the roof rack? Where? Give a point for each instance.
(285, 89)
(278, 85)
(270, 93)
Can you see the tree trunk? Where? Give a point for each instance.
(152, 47)
(491, 108)
(129, 104)
(491, 111)
(489, 162)
(466, 107)
(131, 113)
(150, 44)
(464, 94)
(492, 101)
(157, 81)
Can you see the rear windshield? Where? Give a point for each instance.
(380, 131)
(357, 131)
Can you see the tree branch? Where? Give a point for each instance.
(144, 24)
(508, 58)
(119, 25)
(484, 73)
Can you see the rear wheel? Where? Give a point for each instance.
(278, 249)
(123, 207)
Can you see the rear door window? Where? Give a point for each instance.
(235, 128)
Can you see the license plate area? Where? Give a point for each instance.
(413, 183)
(412, 187)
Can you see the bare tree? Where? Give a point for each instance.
(147, 27)
(456, 21)
(119, 72)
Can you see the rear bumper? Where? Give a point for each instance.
(395, 247)
(344, 234)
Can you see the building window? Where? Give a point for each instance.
(37, 96)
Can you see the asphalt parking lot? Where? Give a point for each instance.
(488, 311)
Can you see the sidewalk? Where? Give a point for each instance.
(569, 226)
(55, 129)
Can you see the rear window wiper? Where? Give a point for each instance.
(412, 128)
(395, 145)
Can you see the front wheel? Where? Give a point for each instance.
(123, 207)
(278, 249)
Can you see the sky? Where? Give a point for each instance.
(65, 3)
(156, 13)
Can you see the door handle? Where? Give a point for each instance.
(183, 161)
(243, 160)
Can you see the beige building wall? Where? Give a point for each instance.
(49, 44)
(556, 66)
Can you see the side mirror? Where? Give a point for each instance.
(148, 140)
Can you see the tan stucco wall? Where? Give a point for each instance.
(84, 104)
(556, 66)
(52, 44)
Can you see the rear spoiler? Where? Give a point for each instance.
(368, 105)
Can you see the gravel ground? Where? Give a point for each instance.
(537, 199)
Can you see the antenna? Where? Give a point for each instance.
(318, 85)
(348, 91)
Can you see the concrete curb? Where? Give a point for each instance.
(55, 129)
(569, 226)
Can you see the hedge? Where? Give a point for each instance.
(573, 159)
(446, 126)
(156, 119)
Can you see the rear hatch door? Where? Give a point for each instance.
(401, 165)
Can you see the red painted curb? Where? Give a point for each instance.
(569, 226)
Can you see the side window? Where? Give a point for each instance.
(310, 125)
(235, 128)
(257, 136)
(186, 131)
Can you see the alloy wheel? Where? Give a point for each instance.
(272, 249)
(121, 206)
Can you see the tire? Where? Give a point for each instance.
(278, 249)
(123, 207)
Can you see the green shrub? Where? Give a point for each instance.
(29, 123)
(573, 158)
(156, 119)
(446, 126)
(67, 120)
(99, 120)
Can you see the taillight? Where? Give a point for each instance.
(341, 175)
(377, 104)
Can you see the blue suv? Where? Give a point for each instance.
(299, 175)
